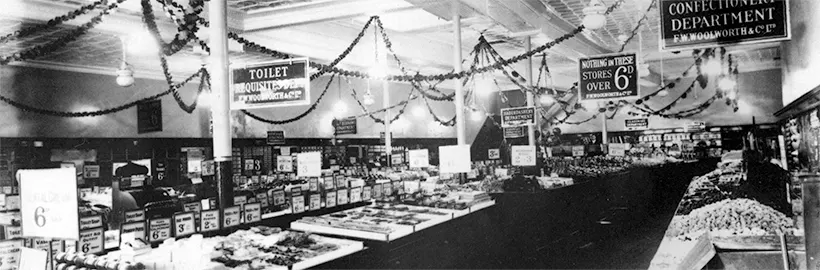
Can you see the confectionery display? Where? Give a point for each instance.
(80, 261)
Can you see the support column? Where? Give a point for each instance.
(459, 97)
(388, 138)
(604, 137)
(530, 95)
(220, 108)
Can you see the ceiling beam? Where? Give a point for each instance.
(320, 12)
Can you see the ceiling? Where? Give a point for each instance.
(420, 30)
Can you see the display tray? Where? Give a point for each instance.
(347, 247)
(276, 214)
(399, 231)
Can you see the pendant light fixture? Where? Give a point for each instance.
(594, 15)
(125, 76)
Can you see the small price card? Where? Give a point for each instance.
(342, 196)
(184, 224)
(315, 201)
(232, 216)
(330, 198)
(209, 220)
(253, 212)
(298, 204)
(278, 196)
(159, 229)
(366, 193)
(355, 194)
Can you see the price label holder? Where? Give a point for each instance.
(184, 224)
(367, 193)
(315, 201)
(377, 191)
(342, 197)
(10, 251)
(137, 228)
(252, 212)
(13, 232)
(298, 203)
(240, 200)
(341, 181)
(262, 198)
(91, 222)
(330, 198)
(195, 207)
(278, 196)
(91, 241)
(313, 183)
(135, 215)
(330, 183)
(231, 216)
(32, 259)
(398, 186)
(159, 229)
(209, 221)
(356, 194)
(387, 189)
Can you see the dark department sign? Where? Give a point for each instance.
(687, 24)
(270, 84)
(149, 116)
(344, 126)
(611, 76)
(521, 116)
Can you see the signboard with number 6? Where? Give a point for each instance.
(49, 203)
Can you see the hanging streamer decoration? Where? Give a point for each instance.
(52, 23)
(298, 117)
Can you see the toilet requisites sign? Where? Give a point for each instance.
(270, 84)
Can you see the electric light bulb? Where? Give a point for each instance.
(663, 93)
(546, 99)
(368, 99)
(477, 116)
(732, 95)
(483, 85)
(712, 67)
(594, 21)
(376, 72)
(340, 107)
(726, 84)
(419, 111)
(204, 99)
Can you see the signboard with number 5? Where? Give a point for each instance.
(49, 203)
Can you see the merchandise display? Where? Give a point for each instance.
(74, 261)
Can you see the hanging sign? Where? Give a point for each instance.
(309, 164)
(270, 84)
(513, 117)
(419, 158)
(344, 126)
(689, 24)
(636, 123)
(618, 149)
(149, 116)
(515, 132)
(276, 137)
(494, 153)
(49, 203)
(284, 163)
(523, 155)
(578, 151)
(610, 76)
(454, 158)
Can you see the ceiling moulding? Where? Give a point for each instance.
(320, 12)
(142, 74)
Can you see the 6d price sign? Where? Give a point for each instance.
(612, 76)
(49, 203)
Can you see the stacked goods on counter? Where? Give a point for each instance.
(80, 261)
(408, 208)
(733, 217)
(266, 248)
(722, 183)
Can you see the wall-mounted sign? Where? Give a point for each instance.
(689, 24)
(636, 123)
(91, 171)
(270, 84)
(522, 155)
(276, 137)
(513, 117)
(345, 126)
(695, 126)
(610, 76)
(515, 132)
(149, 116)
(381, 137)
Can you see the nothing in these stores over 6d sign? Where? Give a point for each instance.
(611, 76)
(270, 84)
